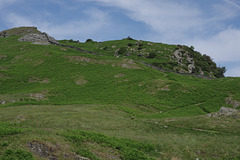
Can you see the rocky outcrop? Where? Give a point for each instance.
(184, 59)
(226, 111)
(40, 38)
(34, 38)
(29, 34)
(232, 102)
(3, 34)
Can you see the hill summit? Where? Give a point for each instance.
(174, 58)
(29, 34)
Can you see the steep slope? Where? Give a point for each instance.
(59, 102)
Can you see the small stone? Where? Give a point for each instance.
(3, 102)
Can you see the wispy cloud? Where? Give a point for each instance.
(4, 3)
(170, 20)
(234, 3)
(174, 21)
(97, 20)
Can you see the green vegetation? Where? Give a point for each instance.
(57, 102)
(127, 149)
(157, 54)
(8, 129)
(16, 155)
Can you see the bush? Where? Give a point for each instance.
(130, 44)
(105, 48)
(192, 48)
(220, 72)
(122, 50)
(151, 55)
(89, 40)
(129, 38)
(72, 41)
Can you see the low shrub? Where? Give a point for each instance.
(151, 55)
(122, 51)
(130, 44)
(89, 40)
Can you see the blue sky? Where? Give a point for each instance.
(211, 26)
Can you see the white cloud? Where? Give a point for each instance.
(96, 20)
(174, 21)
(233, 72)
(14, 20)
(223, 47)
(169, 19)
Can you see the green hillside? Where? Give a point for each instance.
(58, 102)
(178, 58)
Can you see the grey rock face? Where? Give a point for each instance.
(3, 34)
(180, 56)
(190, 68)
(39, 38)
(50, 39)
(227, 111)
(34, 38)
(232, 102)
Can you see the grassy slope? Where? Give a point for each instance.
(109, 48)
(157, 54)
(40, 84)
